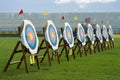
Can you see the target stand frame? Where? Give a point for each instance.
(47, 47)
(64, 46)
(105, 42)
(88, 41)
(88, 45)
(78, 45)
(98, 45)
(111, 41)
(24, 51)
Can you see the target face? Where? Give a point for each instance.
(68, 35)
(29, 37)
(52, 35)
(81, 34)
(98, 33)
(90, 33)
(110, 32)
(105, 34)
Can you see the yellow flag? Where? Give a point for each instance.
(94, 19)
(107, 22)
(45, 13)
(76, 18)
(32, 60)
(70, 52)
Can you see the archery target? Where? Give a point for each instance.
(68, 35)
(98, 33)
(81, 34)
(105, 34)
(52, 35)
(29, 37)
(110, 32)
(90, 33)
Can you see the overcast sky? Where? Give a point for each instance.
(60, 5)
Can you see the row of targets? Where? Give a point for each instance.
(30, 40)
(98, 38)
(87, 39)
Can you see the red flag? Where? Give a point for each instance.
(21, 12)
(62, 17)
(87, 20)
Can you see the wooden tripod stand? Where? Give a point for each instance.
(47, 47)
(80, 46)
(23, 50)
(65, 45)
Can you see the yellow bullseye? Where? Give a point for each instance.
(31, 37)
(82, 34)
(52, 34)
(90, 33)
(69, 36)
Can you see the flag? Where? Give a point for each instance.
(107, 22)
(21, 12)
(76, 18)
(94, 19)
(45, 13)
(62, 17)
(87, 20)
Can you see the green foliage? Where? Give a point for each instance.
(100, 66)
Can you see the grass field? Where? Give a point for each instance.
(100, 66)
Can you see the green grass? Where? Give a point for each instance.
(100, 66)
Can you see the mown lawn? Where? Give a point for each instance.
(100, 66)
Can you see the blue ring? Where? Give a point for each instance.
(69, 39)
(53, 41)
(81, 31)
(32, 45)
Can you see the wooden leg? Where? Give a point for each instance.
(11, 57)
(24, 57)
(49, 59)
(37, 60)
(66, 54)
(75, 48)
(73, 53)
(58, 57)
(79, 50)
(90, 48)
(99, 46)
(62, 51)
(65, 46)
(113, 44)
(43, 56)
(21, 60)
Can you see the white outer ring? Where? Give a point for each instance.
(112, 36)
(23, 38)
(49, 22)
(97, 26)
(79, 38)
(105, 31)
(88, 34)
(65, 35)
